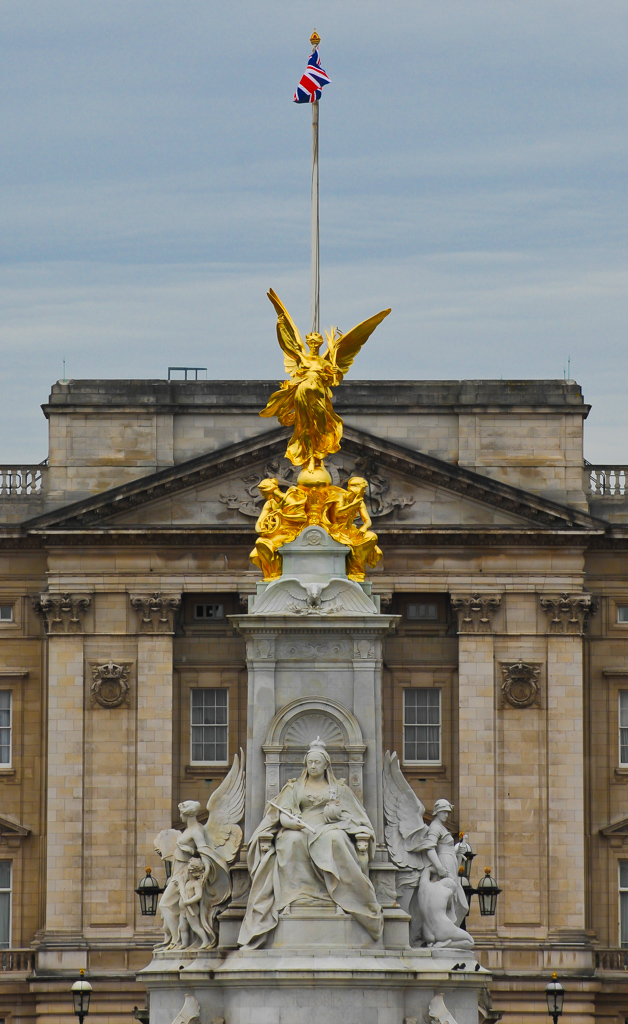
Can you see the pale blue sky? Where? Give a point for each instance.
(155, 182)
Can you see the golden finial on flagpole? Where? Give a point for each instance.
(315, 39)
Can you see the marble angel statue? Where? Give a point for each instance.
(311, 849)
(304, 401)
(201, 857)
(428, 882)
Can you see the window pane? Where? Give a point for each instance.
(5, 919)
(5, 874)
(6, 612)
(209, 725)
(422, 725)
(5, 727)
(622, 613)
(623, 918)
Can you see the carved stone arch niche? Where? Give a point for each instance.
(293, 729)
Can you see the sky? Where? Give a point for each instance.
(154, 183)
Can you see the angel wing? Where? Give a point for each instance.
(404, 815)
(343, 348)
(288, 336)
(225, 808)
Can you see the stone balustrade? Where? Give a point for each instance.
(18, 481)
(606, 481)
(17, 960)
(613, 959)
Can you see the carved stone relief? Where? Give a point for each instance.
(309, 650)
(62, 613)
(568, 613)
(155, 611)
(110, 686)
(262, 649)
(363, 649)
(520, 685)
(476, 612)
(247, 500)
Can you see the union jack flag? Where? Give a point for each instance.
(310, 87)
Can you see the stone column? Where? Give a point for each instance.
(64, 616)
(154, 764)
(261, 661)
(476, 809)
(566, 621)
(367, 707)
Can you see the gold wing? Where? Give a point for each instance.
(343, 348)
(290, 340)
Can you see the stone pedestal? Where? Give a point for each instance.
(314, 651)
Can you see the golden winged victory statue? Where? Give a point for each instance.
(305, 403)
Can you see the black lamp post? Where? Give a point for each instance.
(81, 991)
(149, 891)
(488, 891)
(555, 995)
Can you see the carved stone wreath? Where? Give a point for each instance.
(110, 688)
(520, 685)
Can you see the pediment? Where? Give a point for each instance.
(10, 829)
(618, 828)
(407, 488)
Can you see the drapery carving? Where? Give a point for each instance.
(475, 612)
(155, 611)
(62, 613)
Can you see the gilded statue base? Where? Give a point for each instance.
(286, 514)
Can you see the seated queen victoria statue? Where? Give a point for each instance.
(311, 850)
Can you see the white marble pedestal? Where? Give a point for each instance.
(317, 985)
(314, 652)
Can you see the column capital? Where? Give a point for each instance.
(568, 613)
(475, 611)
(155, 612)
(62, 613)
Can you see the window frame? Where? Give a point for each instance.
(8, 765)
(10, 892)
(435, 763)
(225, 725)
(622, 693)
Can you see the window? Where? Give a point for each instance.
(209, 726)
(422, 612)
(623, 903)
(209, 611)
(6, 613)
(5, 727)
(622, 612)
(623, 726)
(5, 904)
(421, 725)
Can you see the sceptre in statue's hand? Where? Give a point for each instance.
(304, 401)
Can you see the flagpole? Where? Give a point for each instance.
(315, 292)
(315, 272)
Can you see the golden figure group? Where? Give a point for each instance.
(286, 514)
(304, 403)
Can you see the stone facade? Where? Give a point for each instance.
(489, 522)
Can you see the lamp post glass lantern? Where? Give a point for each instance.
(149, 891)
(555, 995)
(81, 991)
(464, 848)
(488, 891)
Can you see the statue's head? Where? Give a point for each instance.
(189, 808)
(357, 484)
(268, 486)
(314, 341)
(442, 809)
(317, 760)
(195, 867)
